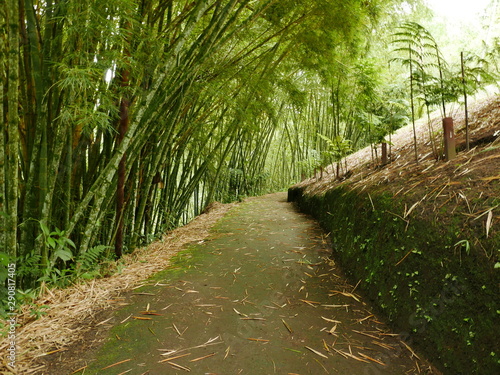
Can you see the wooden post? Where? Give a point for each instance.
(449, 139)
(384, 153)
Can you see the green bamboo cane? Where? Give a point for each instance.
(12, 173)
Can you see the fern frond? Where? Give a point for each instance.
(90, 258)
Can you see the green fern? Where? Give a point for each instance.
(88, 260)
(29, 264)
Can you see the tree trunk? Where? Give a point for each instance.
(120, 190)
(384, 153)
(464, 85)
(13, 127)
(2, 161)
(413, 110)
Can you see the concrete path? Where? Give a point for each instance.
(260, 297)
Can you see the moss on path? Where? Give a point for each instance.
(259, 297)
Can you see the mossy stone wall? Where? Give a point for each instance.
(441, 297)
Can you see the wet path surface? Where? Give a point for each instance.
(259, 297)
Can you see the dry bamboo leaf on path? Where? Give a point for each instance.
(179, 366)
(381, 344)
(325, 345)
(331, 320)
(486, 212)
(489, 179)
(356, 358)
(127, 318)
(316, 352)
(411, 350)
(240, 314)
(172, 358)
(324, 368)
(332, 330)
(52, 352)
(371, 359)
(280, 306)
(104, 321)
(344, 294)
(287, 326)
(365, 318)
(253, 318)
(403, 258)
(176, 329)
(341, 353)
(80, 369)
(259, 340)
(488, 223)
(365, 334)
(204, 357)
(116, 364)
(208, 343)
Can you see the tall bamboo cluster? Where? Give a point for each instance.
(122, 119)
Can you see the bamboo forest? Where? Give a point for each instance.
(124, 119)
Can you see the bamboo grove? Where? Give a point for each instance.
(123, 119)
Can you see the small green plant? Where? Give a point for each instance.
(58, 242)
(37, 311)
(27, 298)
(465, 244)
(87, 263)
(4, 261)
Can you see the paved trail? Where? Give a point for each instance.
(260, 297)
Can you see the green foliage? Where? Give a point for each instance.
(87, 264)
(4, 262)
(338, 147)
(419, 51)
(58, 242)
(29, 269)
(493, 58)
(478, 74)
(393, 112)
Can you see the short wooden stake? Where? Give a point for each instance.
(449, 139)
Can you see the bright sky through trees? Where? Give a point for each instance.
(459, 10)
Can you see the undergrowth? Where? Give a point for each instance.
(95, 263)
(432, 280)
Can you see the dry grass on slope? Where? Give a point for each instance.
(479, 162)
